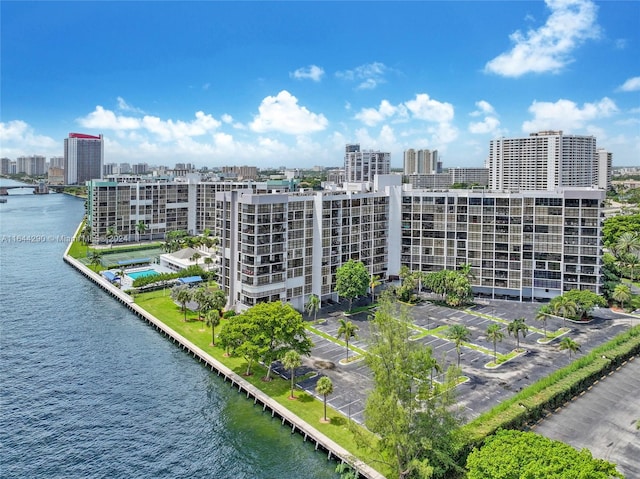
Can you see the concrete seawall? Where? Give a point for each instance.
(334, 450)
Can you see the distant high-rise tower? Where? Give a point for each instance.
(364, 165)
(543, 161)
(604, 168)
(83, 158)
(421, 162)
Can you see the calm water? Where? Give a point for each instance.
(89, 391)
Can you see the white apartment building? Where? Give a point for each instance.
(162, 205)
(467, 176)
(526, 246)
(363, 166)
(529, 245)
(289, 246)
(544, 161)
(604, 168)
(280, 245)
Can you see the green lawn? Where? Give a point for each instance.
(306, 406)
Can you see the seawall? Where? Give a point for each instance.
(308, 432)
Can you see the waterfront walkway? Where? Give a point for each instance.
(333, 449)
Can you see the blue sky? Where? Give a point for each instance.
(290, 83)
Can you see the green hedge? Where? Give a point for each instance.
(551, 392)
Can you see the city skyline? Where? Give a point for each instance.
(289, 84)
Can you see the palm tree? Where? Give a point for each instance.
(204, 298)
(633, 261)
(86, 235)
(374, 282)
(96, 259)
(141, 228)
(458, 334)
(628, 243)
(324, 386)
(621, 294)
(564, 307)
(348, 330)
(495, 335)
(313, 305)
(518, 327)
(570, 345)
(212, 319)
(208, 261)
(182, 294)
(195, 257)
(434, 366)
(542, 315)
(291, 361)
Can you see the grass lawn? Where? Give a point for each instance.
(306, 406)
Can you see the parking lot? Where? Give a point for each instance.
(485, 387)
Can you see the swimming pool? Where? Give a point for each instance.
(141, 274)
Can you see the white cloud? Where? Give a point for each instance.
(370, 75)
(282, 113)
(566, 115)
(312, 72)
(226, 118)
(425, 108)
(373, 116)
(632, 84)
(484, 108)
(490, 123)
(18, 138)
(124, 106)
(101, 119)
(549, 48)
(165, 130)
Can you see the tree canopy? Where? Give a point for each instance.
(516, 454)
(266, 332)
(586, 301)
(416, 423)
(352, 280)
(615, 226)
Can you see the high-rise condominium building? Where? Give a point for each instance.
(31, 165)
(544, 161)
(604, 168)
(364, 165)
(421, 162)
(281, 245)
(83, 158)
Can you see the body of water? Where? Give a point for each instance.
(90, 391)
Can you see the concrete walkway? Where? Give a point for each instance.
(604, 420)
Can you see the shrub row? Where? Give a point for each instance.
(134, 247)
(536, 400)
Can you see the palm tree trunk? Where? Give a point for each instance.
(325, 407)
